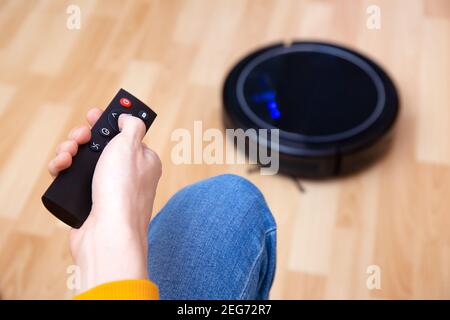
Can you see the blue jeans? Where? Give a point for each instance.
(215, 239)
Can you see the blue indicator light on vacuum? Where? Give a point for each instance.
(264, 96)
(273, 108)
(272, 105)
(275, 113)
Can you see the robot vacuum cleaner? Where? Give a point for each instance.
(334, 107)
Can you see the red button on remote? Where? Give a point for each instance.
(124, 102)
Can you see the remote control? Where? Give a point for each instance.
(69, 197)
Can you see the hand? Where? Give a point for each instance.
(112, 243)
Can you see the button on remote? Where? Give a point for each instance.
(105, 132)
(143, 115)
(94, 146)
(113, 117)
(124, 102)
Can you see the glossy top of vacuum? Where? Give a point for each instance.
(324, 98)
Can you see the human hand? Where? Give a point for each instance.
(112, 243)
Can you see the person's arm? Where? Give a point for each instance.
(121, 290)
(111, 246)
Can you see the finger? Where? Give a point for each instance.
(146, 150)
(150, 154)
(80, 135)
(153, 156)
(69, 146)
(60, 162)
(144, 146)
(132, 127)
(93, 115)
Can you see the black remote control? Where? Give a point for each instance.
(69, 197)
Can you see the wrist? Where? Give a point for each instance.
(121, 220)
(109, 250)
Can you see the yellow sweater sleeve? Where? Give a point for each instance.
(122, 290)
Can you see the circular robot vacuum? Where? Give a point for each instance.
(334, 107)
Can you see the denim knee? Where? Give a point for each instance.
(213, 239)
(242, 199)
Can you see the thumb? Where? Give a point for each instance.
(132, 127)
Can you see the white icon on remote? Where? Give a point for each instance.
(95, 146)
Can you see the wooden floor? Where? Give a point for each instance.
(174, 55)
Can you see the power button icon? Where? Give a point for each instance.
(124, 102)
(105, 132)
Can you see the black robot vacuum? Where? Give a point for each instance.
(334, 107)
